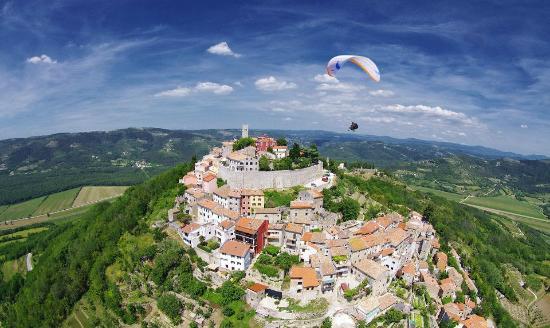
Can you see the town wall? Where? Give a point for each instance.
(270, 179)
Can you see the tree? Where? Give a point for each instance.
(295, 152)
(349, 208)
(282, 142)
(393, 315)
(264, 164)
(327, 323)
(220, 182)
(171, 306)
(243, 143)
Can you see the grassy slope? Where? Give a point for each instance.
(444, 194)
(57, 201)
(10, 268)
(508, 204)
(21, 210)
(93, 194)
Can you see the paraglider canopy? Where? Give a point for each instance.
(353, 126)
(367, 65)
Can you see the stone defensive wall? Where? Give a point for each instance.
(270, 179)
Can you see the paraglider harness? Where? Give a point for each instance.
(354, 126)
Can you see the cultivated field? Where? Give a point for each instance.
(507, 204)
(21, 210)
(444, 194)
(57, 201)
(93, 194)
(10, 268)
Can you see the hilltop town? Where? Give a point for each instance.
(388, 270)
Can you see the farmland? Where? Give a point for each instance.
(59, 206)
(21, 210)
(93, 194)
(57, 201)
(507, 204)
(444, 194)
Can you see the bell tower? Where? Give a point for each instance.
(244, 133)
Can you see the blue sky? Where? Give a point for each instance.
(472, 72)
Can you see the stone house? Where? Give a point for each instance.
(301, 211)
(273, 215)
(235, 256)
(303, 279)
(376, 274)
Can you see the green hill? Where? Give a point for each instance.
(83, 259)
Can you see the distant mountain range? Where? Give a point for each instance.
(35, 166)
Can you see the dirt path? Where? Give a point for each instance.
(504, 212)
(533, 301)
(29, 262)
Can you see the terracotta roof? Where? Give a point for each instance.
(209, 177)
(441, 261)
(208, 203)
(386, 301)
(408, 269)
(374, 239)
(423, 265)
(277, 226)
(280, 147)
(190, 227)
(387, 251)
(475, 321)
(371, 268)
(327, 268)
(337, 242)
(267, 210)
(307, 236)
(236, 248)
(384, 221)
(227, 224)
(296, 204)
(233, 215)
(339, 251)
(308, 276)
(357, 244)
(195, 192)
(368, 228)
(257, 287)
(295, 228)
(223, 191)
(452, 311)
(470, 304)
(248, 225)
(435, 243)
(396, 236)
(315, 193)
(369, 304)
(235, 156)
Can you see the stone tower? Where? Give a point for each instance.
(244, 131)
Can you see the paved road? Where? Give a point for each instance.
(29, 262)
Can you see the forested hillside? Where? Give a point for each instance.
(38, 166)
(74, 257)
(112, 254)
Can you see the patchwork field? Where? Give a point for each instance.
(93, 194)
(444, 194)
(507, 204)
(21, 210)
(57, 201)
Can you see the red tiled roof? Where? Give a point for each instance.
(236, 248)
(308, 276)
(296, 204)
(190, 227)
(257, 287)
(248, 225)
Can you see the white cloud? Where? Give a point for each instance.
(177, 92)
(44, 59)
(341, 87)
(438, 112)
(219, 89)
(288, 119)
(325, 78)
(378, 119)
(462, 134)
(222, 49)
(382, 93)
(212, 87)
(273, 84)
(524, 126)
